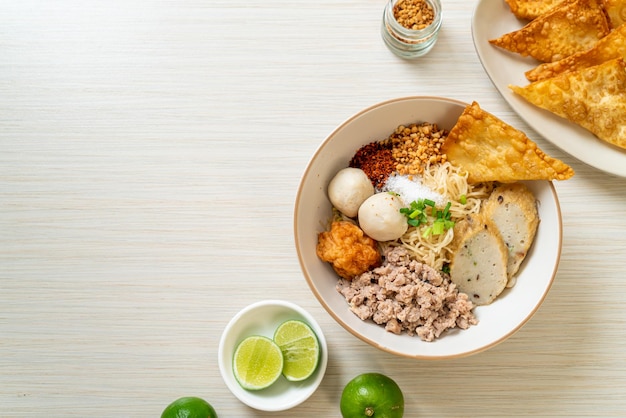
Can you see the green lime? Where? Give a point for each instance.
(300, 348)
(372, 395)
(189, 407)
(257, 363)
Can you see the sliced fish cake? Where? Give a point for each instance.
(513, 209)
(479, 262)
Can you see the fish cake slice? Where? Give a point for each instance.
(491, 150)
(569, 28)
(594, 98)
(479, 260)
(513, 209)
(610, 47)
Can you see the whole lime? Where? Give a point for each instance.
(189, 407)
(372, 395)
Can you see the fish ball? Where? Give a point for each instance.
(380, 217)
(348, 189)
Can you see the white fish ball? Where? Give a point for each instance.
(380, 217)
(348, 189)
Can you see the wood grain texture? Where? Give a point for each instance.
(150, 152)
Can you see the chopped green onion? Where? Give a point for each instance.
(413, 222)
(446, 211)
(417, 215)
(438, 228)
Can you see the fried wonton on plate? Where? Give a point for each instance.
(531, 9)
(616, 10)
(569, 28)
(594, 98)
(610, 47)
(491, 150)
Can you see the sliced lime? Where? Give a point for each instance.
(300, 348)
(257, 362)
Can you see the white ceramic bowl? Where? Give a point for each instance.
(497, 321)
(262, 318)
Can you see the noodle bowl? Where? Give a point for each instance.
(313, 211)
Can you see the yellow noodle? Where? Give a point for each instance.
(450, 182)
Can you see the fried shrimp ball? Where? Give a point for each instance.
(348, 249)
(348, 189)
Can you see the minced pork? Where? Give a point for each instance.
(407, 296)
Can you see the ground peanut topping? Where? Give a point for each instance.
(413, 14)
(416, 145)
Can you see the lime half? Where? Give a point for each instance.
(257, 363)
(300, 348)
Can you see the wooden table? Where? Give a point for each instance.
(150, 153)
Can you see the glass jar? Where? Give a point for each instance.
(410, 43)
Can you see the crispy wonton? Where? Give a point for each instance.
(567, 29)
(610, 47)
(616, 9)
(491, 150)
(531, 9)
(594, 98)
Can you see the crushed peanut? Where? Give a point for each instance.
(415, 146)
(413, 14)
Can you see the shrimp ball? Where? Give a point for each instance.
(348, 189)
(380, 217)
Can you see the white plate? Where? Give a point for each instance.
(497, 321)
(492, 19)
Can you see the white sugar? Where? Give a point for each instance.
(412, 189)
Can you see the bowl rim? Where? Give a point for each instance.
(338, 319)
(306, 391)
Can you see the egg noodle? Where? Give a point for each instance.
(451, 183)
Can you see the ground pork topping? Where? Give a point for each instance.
(407, 296)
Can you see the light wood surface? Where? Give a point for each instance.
(150, 153)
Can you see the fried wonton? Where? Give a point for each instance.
(569, 28)
(616, 10)
(594, 98)
(491, 150)
(531, 9)
(610, 47)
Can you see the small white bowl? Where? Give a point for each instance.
(262, 318)
(313, 210)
